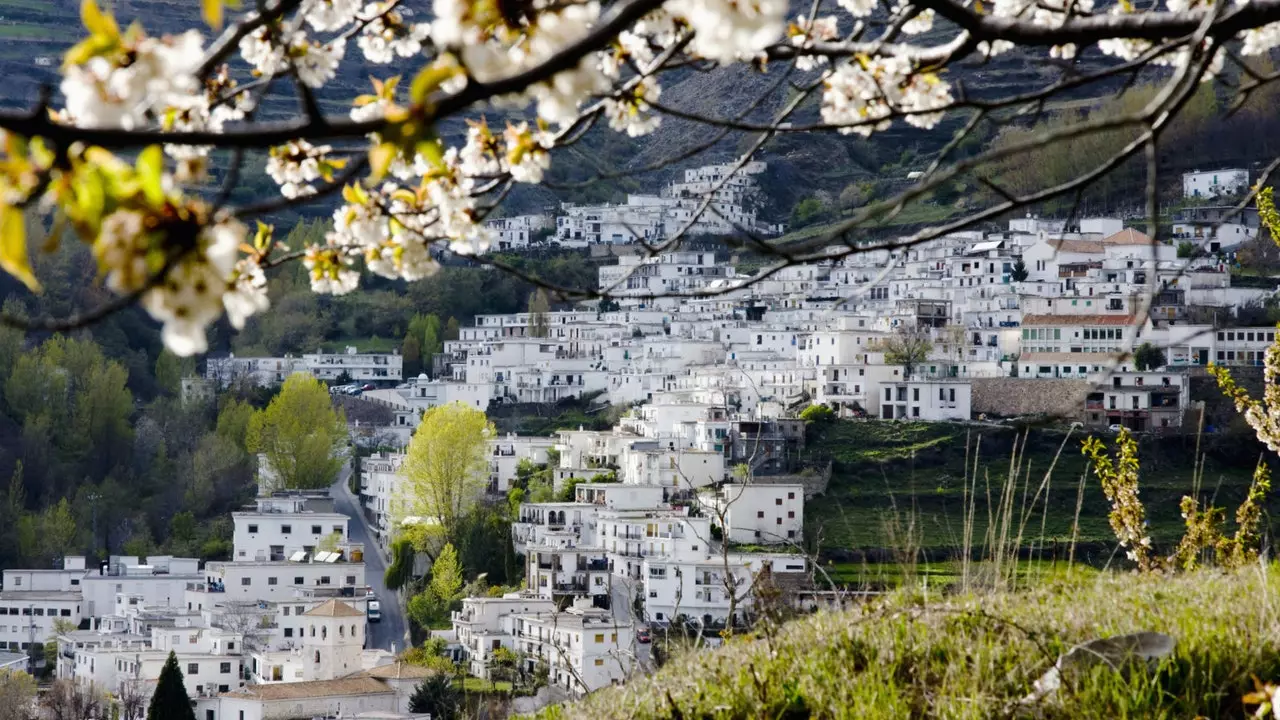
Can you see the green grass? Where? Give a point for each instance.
(912, 655)
(899, 485)
(25, 32)
(479, 685)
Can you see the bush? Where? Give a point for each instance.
(817, 414)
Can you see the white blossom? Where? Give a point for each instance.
(921, 23)
(331, 270)
(121, 249)
(248, 293)
(858, 8)
(317, 63)
(330, 15)
(191, 296)
(729, 30)
(526, 153)
(131, 90)
(632, 113)
(865, 94)
(387, 35)
(803, 35)
(295, 165)
(264, 51)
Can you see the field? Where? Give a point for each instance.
(911, 486)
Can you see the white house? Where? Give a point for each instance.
(285, 524)
(1210, 184)
(757, 513)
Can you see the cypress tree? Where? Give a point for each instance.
(170, 701)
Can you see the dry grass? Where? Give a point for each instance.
(976, 656)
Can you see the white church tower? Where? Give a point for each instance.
(334, 641)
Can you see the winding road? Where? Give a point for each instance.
(392, 632)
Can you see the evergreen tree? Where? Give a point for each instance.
(170, 701)
(436, 695)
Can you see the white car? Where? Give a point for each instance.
(1115, 428)
(375, 611)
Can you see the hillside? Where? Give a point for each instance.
(901, 486)
(915, 655)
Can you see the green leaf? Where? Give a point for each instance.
(98, 22)
(380, 158)
(150, 173)
(13, 247)
(211, 11)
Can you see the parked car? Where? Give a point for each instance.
(367, 387)
(375, 611)
(643, 637)
(1114, 428)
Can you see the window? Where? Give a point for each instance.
(224, 668)
(351, 579)
(777, 501)
(779, 521)
(253, 528)
(791, 514)
(231, 646)
(317, 656)
(286, 529)
(40, 612)
(791, 496)
(64, 613)
(244, 581)
(222, 688)
(315, 530)
(193, 668)
(599, 637)
(915, 412)
(286, 611)
(298, 581)
(288, 632)
(915, 394)
(759, 513)
(324, 579)
(337, 529)
(271, 581)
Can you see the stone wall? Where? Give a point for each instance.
(1011, 397)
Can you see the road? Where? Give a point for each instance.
(621, 597)
(394, 628)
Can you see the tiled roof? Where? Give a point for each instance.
(1109, 320)
(318, 688)
(1092, 247)
(333, 608)
(399, 670)
(1128, 236)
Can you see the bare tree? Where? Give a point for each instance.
(70, 700)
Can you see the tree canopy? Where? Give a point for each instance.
(170, 700)
(446, 467)
(301, 435)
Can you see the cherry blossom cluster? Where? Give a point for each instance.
(864, 94)
(297, 164)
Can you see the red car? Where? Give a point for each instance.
(642, 636)
(367, 387)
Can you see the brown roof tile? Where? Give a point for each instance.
(333, 608)
(318, 688)
(1110, 320)
(399, 670)
(1128, 236)
(1092, 247)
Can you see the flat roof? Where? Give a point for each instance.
(39, 595)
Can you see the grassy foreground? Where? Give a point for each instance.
(977, 656)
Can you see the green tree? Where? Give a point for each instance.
(1186, 249)
(446, 575)
(233, 421)
(451, 329)
(17, 695)
(170, 701)
(1148, 357)
(411, 354)
(437, 696)
(58, 530)
(446, 468)
(300, 434)
(817, 414)
(539, 307)
(170, 369)
(1019, 272)
(906, 348)
(400, 571)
